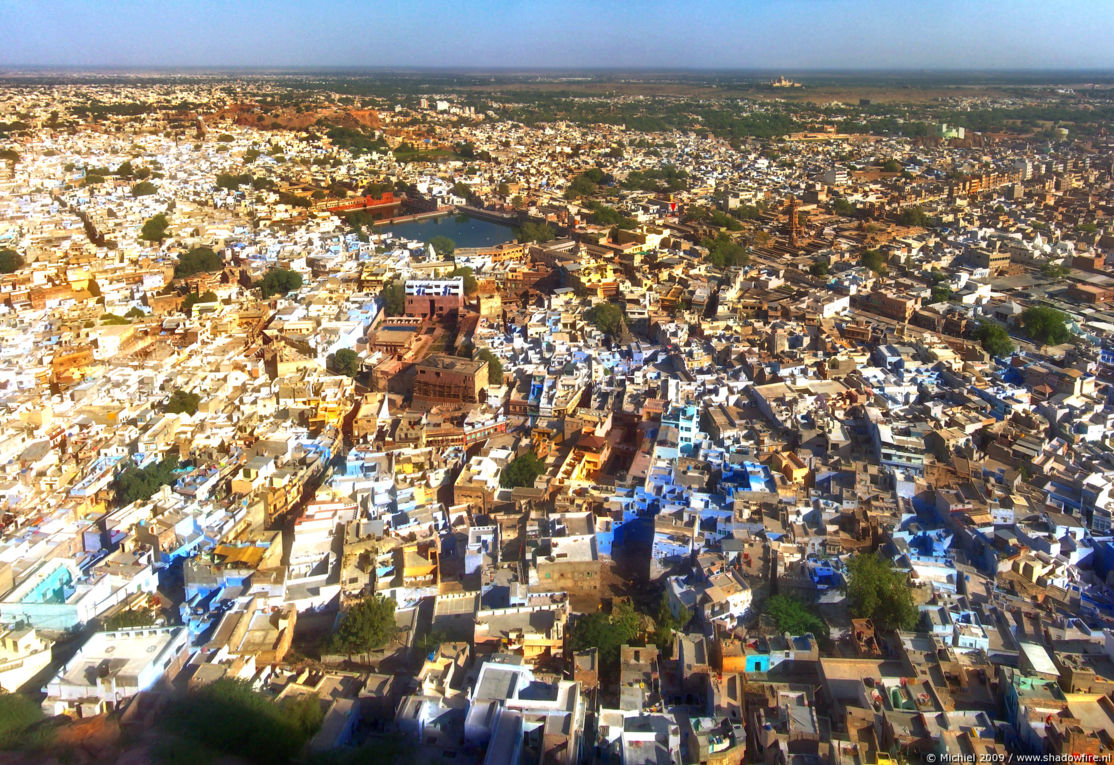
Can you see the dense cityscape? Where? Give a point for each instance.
(532, 418)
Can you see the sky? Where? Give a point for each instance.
(792, 35)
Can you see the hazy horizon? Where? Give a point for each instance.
(487, 35)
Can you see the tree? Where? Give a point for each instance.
(534, 232)
(1045, 325)
(367, 626)
(280, 281)
(941, 293)
(347, 362)
(793, 616)
(879, 592)
(521, 471)
(196, 261)
(494, 367)
(891, 166)
(470, 283)
(606, 317)
(183, 402)
(93, 288)
(842, 207)
(504, 189)
(517, 202)
(228, 717)
(143, 189)
(122, 620)
(607, 633)
(10, 261)
(914, 216)
(1054, 270)
(725, 252)
(193, 299)
(154, 230)
(17, 713)
(136, 483)
(665, 624)
(393, 296)
(873, 260)
(819, 268)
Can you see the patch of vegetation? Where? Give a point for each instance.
(193, 299)
(534, 232)
(196, 261)
(136, 483)
(10, 261)
(279, 281)
(607, 318)
(182, 402)
(154, 229)
(393, 295)
(494, 367)
(228, 718)
(880, 592)
(794, 617)
(1045, 325)
(346, 362)
(367, 626)
(521, 471)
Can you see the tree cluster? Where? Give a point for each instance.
(10, 261)
(183, 402)
(136, 483)
(521, 471)
(879, 592)
(367, 626)
(346, 362)
(494, 367)
(1045, 325)
(154, 229)
(279, 281)
(607, 318)
(229, 719)
(534, 232)
(196, 261)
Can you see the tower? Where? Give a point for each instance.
(794, 224)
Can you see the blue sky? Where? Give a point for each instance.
(768, 34)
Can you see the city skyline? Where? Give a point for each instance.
(796, 35)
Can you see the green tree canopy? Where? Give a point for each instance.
(521, 471)
(793, 616)
(725, 252)
(443, 246)
(607, 633)
(154, 230)
(874, 260)
(534, 232)
(843, 207)
(279, 281)
(494, 367)
(914, 216)
(347, 362)
(994, 338)
(183, 402)
(198, 260)
(466, 273)
(1045, 325)
(367, 626)
(891, 166)
(393, 295)
(879, 592)
(136, 483)
(17, 713)
(230, 718)
(607, 318)
(10, 261)
(193, 299)
(143, 189)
